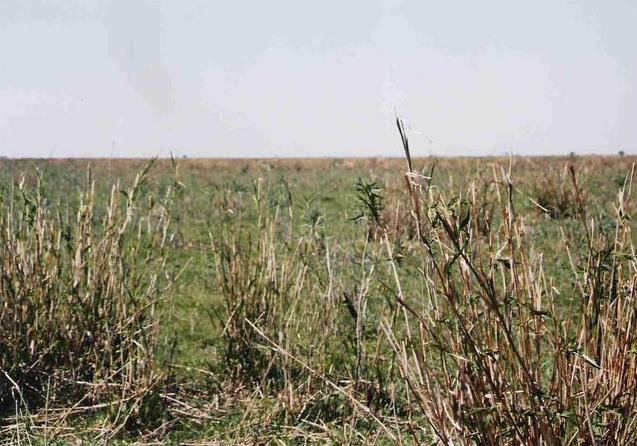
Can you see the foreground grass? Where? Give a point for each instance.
(326, 301)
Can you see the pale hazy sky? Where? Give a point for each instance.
(308, 78)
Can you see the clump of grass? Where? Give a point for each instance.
(555, 195)
(294, 315)
(79, 294)
(485, 353)
(258, 282)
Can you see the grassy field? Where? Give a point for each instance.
(330, 301)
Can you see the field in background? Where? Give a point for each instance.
(476, 300)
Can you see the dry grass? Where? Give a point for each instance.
(462, 302)
(79, 316)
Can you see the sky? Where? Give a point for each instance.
(207, 78)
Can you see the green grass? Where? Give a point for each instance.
(279, 243)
